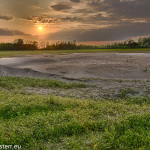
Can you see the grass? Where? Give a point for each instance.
(18, 82)
(42, 122)
(145, 69)
(33, 52)
(125, 93)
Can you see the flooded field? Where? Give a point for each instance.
(79, 65)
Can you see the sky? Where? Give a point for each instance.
(80, 20)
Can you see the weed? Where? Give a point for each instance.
(18, 82)
(124, 93)
(145, 69)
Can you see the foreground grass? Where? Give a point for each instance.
(33, 52)
(48, 122)
(18, 82)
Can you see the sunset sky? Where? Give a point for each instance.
(81, 20)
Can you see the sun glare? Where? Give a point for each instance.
(40, 28)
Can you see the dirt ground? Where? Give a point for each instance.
(106, 74)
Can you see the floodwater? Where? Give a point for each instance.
(77, 66)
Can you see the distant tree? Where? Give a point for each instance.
(19, 44)
(144, 42)
(19, 41)
(62, 45)
(131, 44)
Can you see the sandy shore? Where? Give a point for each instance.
(79, 66)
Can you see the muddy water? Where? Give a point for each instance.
(101, 65)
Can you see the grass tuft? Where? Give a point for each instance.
(20, 82)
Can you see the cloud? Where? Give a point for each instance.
(122, 32)
(21, 8)
(71, 19)
(7, 32)
(6, 17)
(122, 8)
(78, 19)
(61, 6)
(42, 19)
(76, 1)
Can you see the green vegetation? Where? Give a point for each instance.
(17, 82)
(63, 45)
(19, 47)
(141, 43)
(41, 122)
(19, 44)
(145, 69)
(38, 52)
(125, 93)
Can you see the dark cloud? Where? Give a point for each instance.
(76, 1)
(42, 19)
(61, 6)
(7, 32)
(121, 32)
(71, 19)
(126, 8)
(6, 17)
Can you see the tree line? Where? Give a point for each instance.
(19, 44)
(141, 43)
(67, 45)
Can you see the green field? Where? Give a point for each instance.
(33, 52)
(46, 122)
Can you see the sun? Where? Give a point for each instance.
(40, 28)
